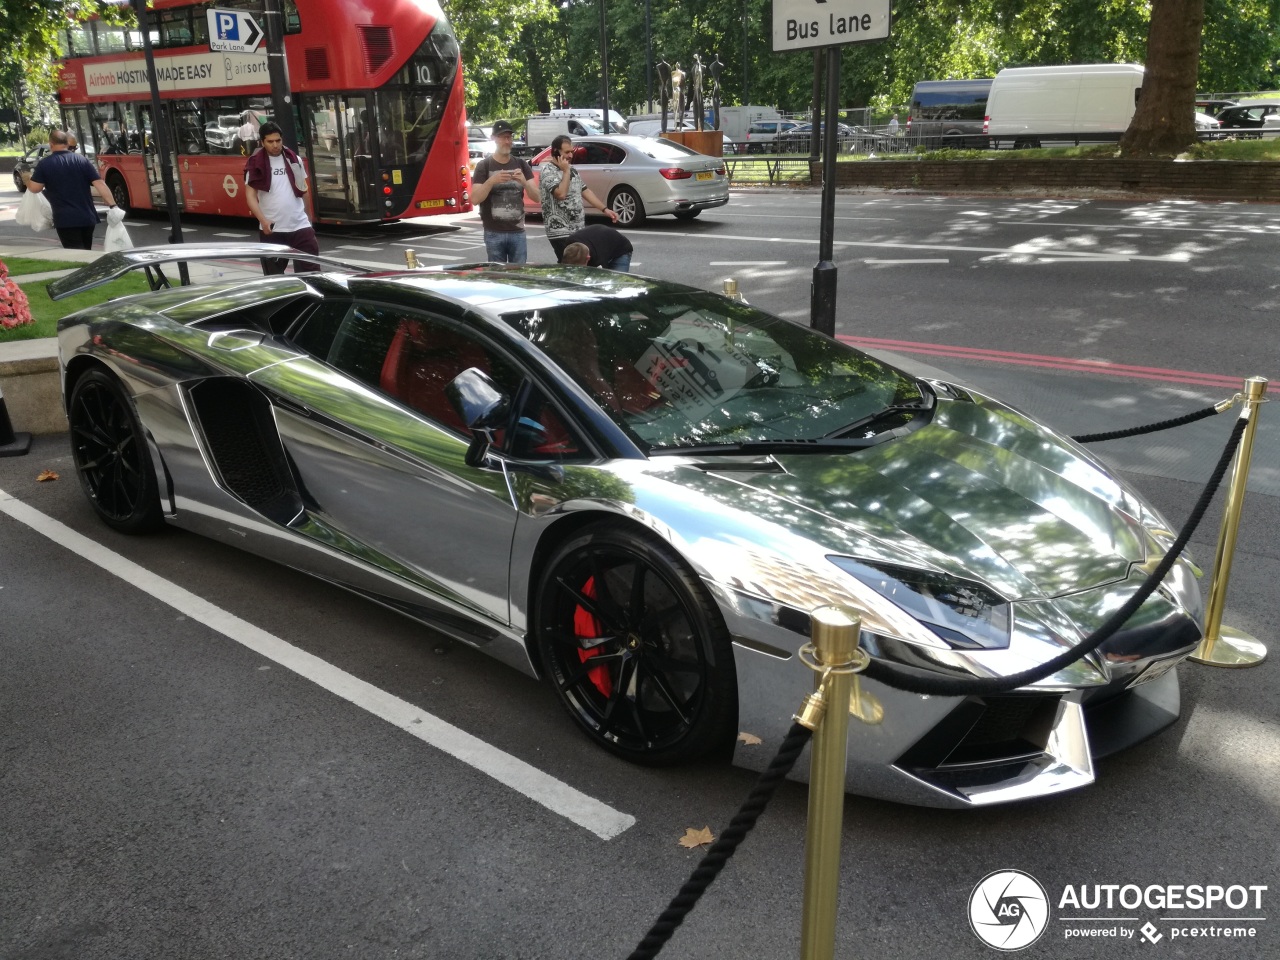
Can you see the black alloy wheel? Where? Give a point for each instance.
(635, 648)
(626, 203)
(111, 456)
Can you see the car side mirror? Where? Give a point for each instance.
(481, 406)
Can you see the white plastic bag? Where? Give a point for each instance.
(117, 237)
(34, 212)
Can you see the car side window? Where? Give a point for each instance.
(601, 153)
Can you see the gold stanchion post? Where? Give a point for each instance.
(1227, 646)
(411, 260)
(835, 655)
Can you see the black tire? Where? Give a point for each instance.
(110, 452)
(687, 214)
(626, 203)
(119, 190)
(1026, 144)
(19, 182)
(660, 685)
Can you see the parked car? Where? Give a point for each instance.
(1206, 122)
(762, 133)
(639, 491)
(948, 113)
(220, 135)
(641, 177)
(1260, 116)
(1214, 107)
(851, 139)
(479, 145)
(26, 163)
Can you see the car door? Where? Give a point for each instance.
(599, 166)
(380, 452)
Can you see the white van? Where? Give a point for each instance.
(595, 117)
(542, 128)
(1031, 105)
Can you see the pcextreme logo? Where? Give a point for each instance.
(1008, 910)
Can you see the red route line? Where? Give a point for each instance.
(1048, 362)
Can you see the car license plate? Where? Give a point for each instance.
(1154, 671)
(706, 175)
(430, 204)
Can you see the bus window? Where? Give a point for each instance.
(110, 38)
(175, 27)
(188, 126)
(80, 41)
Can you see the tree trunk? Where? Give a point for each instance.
(1163, 124)
(537, 79)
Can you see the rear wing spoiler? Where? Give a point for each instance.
(111, 266)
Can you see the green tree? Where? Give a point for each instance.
(30, 30)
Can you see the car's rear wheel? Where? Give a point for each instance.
(109, 449)
(119, 190)
(687, 214)
(626, 203)
(635, 648)
(19, 182)
(1026, 144)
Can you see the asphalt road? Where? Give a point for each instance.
(179, 778)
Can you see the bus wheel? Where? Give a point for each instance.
(119, 190)
(627, 204)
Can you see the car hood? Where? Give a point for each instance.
(981, 492)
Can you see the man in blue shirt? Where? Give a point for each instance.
(69, 177)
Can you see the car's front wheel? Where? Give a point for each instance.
(626, 203)
(19, 182)
(109, 449)
(635, 648)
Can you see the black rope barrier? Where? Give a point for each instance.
(946, 687)
(714, 860)
(1149, 428)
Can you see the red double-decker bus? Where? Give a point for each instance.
(377, 97)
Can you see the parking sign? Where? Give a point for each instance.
(233, 31)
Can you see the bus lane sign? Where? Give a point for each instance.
(233, 31)
(800, 24)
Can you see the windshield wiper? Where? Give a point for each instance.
(868, 422)
(766, 447)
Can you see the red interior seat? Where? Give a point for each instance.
(421, 361)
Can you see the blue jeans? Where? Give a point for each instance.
(506, 246)
(622, 264)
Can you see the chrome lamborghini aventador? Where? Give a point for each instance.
(638, 490)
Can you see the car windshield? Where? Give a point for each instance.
(691, 369)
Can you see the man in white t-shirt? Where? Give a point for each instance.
(275, 184)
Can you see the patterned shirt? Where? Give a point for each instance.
(561, 217)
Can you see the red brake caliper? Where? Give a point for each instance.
(586, 625)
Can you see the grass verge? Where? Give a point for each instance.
(48, 312)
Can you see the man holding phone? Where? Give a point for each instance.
(565, 196)
(499, 184)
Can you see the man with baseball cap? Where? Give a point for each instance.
(499, 185)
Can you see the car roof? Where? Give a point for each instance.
(505, 288)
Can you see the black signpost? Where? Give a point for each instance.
(278, 73)
(829, 24)
(160, 134)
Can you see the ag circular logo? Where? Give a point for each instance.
(1008, 910)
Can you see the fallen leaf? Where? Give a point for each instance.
(750, 739)
(696, 838)
(46, 475)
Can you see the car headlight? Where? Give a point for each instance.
(964, 614)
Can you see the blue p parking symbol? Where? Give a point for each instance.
(228, 26)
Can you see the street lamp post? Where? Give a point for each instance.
(648, 61)
(604, 72)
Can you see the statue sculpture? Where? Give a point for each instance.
(714, 68)
(664, 84)
(677, 94)
(695, 92)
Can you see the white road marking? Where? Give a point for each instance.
(951, 247)
(238, 236)
(943, 260)
(1137, 225)
(786, 216)
(748, 263)
(558, 797)
(354, 247)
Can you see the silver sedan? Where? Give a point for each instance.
(642, 177)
